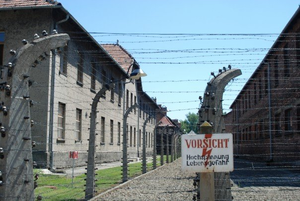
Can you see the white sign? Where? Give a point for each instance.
(207, 152)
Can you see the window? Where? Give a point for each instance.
(93, 77)
(140, 108)
(63, 53)
(102, 138)
(134, 137)
(119, 133)
(2, 35)
(127, 99)
(135, 104)
(119, 94)
(103, 77)
(61, 121)
(112, 91)
(143, 108)
(146, 138)
(111, 131)
(277, 124)
(288, 120)
(140, 137)
(131, 99)
(130, 136)
(78, 125)
(104, 80)
(127, 135)
(80, 69)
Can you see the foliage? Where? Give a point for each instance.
(190, 123)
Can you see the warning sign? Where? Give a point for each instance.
(207, 152)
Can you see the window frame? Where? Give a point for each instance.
(61, 122)
(288, 125)
(93, 77)
(78, 125)
(63, 64)
(111, 132)
(80, 67)
(119, 133)
(102, 136)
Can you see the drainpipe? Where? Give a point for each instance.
(52, 109)
(61, 21)
(52, 98)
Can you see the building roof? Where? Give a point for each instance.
(124, 59)
(50, 4)
(26, 3)
(166, 121)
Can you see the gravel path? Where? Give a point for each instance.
(170, 183)
(165, 183)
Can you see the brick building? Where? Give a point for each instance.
(66, 82)
(265, 116)
(167, 134)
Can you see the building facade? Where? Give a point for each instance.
(65, 83)
(168, 134)
(265, 116)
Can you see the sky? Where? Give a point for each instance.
(179, 43)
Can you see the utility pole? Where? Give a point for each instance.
(16, 164)
(211, 112)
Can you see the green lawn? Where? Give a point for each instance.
(54, 187)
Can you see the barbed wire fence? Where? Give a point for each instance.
(251, 178)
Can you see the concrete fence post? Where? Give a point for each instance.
(16, 163)
(125, 141)
(211, 111)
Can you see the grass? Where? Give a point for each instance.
(58, 187)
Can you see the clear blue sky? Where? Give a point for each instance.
(179, 43)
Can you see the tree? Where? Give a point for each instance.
(190, 123)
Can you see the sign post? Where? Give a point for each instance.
(73, 155)
(207, 153)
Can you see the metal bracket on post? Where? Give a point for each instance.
(212, 112)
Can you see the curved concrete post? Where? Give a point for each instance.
(16, 162)
(125, 157)
(212, 112)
